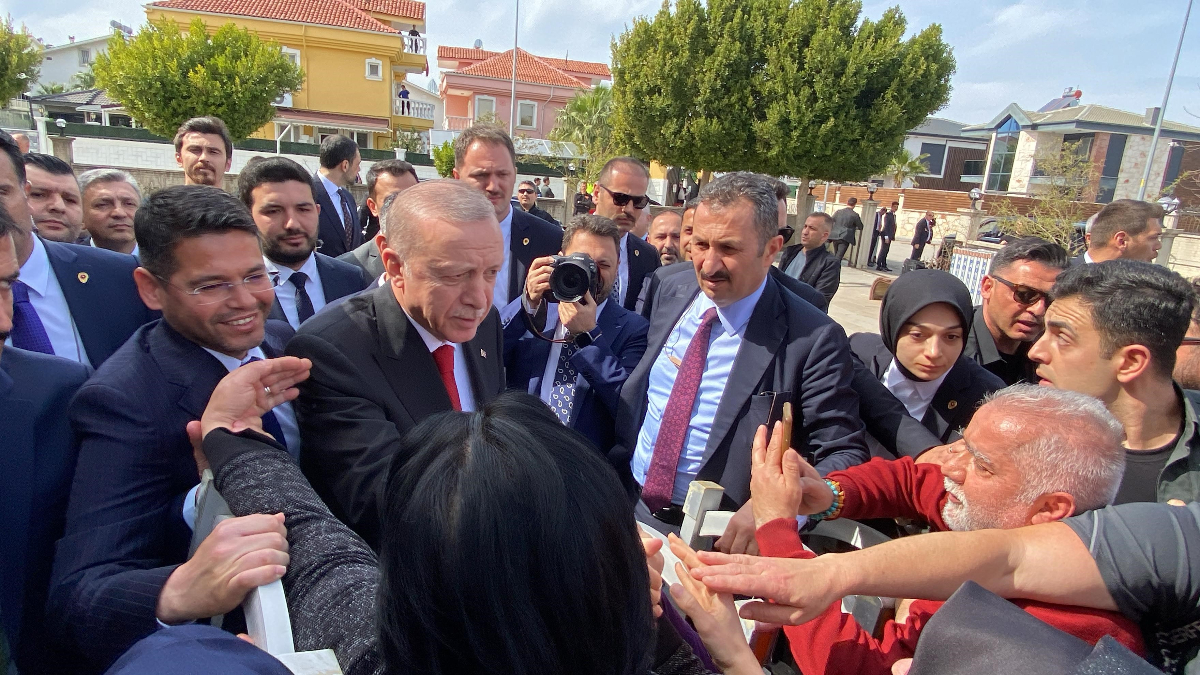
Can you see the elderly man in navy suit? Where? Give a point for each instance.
(35, 477)
(278, 192)
(597, 342)
(728, 346)
(76, 302)
(122, 567)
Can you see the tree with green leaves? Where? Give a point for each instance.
(904, 166)
(47, 88)
(784, 87)
(163, 76)
(84, 79)
(20, 61)
(443, 159)
(586, 122)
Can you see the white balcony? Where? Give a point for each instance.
(410, 108)
(458, 123)
(414, 44)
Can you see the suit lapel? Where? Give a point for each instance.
(328, 209)
(186, 365)
(277, 311)
(765, 333)
(17, 466)
(610, 329)
(482, 363)
(73, 277)
(405, 359)
(518, 244)
(332, 284)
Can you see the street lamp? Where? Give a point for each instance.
(976, 194)
(871, 188)
(62, 126)
(812, 185)
(1169, 204)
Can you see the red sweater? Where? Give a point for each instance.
(835, 643)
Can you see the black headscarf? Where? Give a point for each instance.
(913, 291)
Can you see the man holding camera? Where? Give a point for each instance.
(596, 342)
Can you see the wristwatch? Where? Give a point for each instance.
(582, 340)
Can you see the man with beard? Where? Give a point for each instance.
(204, 150)
(110, 200)
(620, 196)
(1187, 357)
(597, 343)
(1030, 455)
(54, 199)
(122, 567)
(279, 194)
(664, 236)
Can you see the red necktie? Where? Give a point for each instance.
(672, 432)
(444, 357)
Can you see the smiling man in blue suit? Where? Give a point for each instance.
(599, 341)
(76, 302)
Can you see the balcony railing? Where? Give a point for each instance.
(410, 108)
(414, 44)
(458, 123)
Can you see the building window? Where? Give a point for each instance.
(1111, 169)
(374, 69)
(85, 57)
(293, 55)
(363, 139)
(973, 168)
(936, 157)
(1004, 151)
(526, 114)
(485, 106)
(324, 132)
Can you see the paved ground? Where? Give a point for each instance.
(852, 306)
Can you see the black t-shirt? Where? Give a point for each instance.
(1142, 469)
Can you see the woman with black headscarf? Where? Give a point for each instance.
(917, 355)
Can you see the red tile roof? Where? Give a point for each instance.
(338, 13)
(571, 65)
(589, 67)
(445, 52)
(529, 69)
(404, 8)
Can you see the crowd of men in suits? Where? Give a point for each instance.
(122, 313)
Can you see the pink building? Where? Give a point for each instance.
(476, 82)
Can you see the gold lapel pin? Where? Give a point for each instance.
(83, 277)
(952, 405)
(525, 241)
(482, 354)
(637, 251)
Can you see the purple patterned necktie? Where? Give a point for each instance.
(672, 432)
(28, 332)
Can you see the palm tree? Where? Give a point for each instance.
(904, 166)
(51, 88)
(586, 122)
(85, 79)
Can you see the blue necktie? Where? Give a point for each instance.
(270, 423)
(27, 331)
(304, 306)
(562, 393)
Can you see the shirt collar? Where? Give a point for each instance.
(431, 343)
(309, 268)
(506, 221)
(330, 187)
(893, 378)
(1087, 257)
(231, 363)
(734, 317)
(35, 273)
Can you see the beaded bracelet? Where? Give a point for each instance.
(835, 509)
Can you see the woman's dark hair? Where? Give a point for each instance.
(509, 546)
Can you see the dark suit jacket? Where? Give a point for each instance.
(541, 213)
(650, 288)
(366, 257)
(643, 260)
(790, 347)
(125, 531)
(888, 228)
(603, 367)
(1078, 260)
(531, 238)
(100, 292)
(338, 279)
(372, 380)
(956, 400)
(822, 271)
(36, 466)
(923, 233)
(846, 223)
(331, 232)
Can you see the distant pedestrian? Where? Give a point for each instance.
(923, 234)
(887, 232)
(546, 191)
(845, 224)
(583, 200)
(879, 216)
(403, 96)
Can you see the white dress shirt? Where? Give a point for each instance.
(285, 290)
(134, 252)
(916, 395)
(623, 269)
(336, 198)
(560, 332)
(1087, 258)
(462, 378)
(48, 301)
(500, 293)
(724, 343)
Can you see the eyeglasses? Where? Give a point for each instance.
(209, 294)
(1024, 294)
(525, 191)
(1190, 341)
(621, 199)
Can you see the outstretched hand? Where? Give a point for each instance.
(799, 590)
(782, 484)
(246, 394)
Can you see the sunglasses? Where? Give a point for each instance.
(1024, 294)
(621, 199)
(524, 191)
(786, 233)
(1191, 341)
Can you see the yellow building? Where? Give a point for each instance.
(355, 54)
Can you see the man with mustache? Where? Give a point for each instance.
(122, 568)
(427, 341)
(279, 194)
(620, 196)
(664, 236)
(110, 201)
(204, 150)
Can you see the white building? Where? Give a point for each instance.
(60, 63)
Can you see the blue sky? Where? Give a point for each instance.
(1117, 51)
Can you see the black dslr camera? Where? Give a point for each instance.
(573, 276)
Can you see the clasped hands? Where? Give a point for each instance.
(578, 317)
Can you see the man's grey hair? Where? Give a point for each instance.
(94, 176)
(1077, 449)
(484, 132)
(759, 191)
(446, 201)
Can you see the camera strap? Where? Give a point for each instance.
(537, 333)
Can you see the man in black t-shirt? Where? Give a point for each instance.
(1112, 333)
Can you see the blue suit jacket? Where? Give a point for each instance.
(100, 292)
(36, 465)
(603, 367)
(125, 531)
(196, 650)
(338, 279)
(331, 232)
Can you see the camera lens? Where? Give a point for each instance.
(570, 281)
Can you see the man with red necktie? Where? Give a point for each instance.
(426, 342)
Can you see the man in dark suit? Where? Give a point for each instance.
(620, 196)
(76, 302)
(810, 262)
(340, 231)
(122, 568)
(877, 228)
(887, 233)
(35, 477)
(383, 179)
(527, 196)
(600, 342)
(484, 158)
(384, 360)
(846, 225)
(278, 192)
(691, 407)
(922, 235)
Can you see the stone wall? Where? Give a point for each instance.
(1022, 169)
(1185, 255)
(1133, 164)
